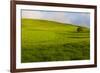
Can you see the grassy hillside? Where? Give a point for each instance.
(44, 40)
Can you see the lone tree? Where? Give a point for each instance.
(79, 29)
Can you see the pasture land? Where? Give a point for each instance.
(44, 40)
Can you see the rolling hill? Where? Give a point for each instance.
(44, 40)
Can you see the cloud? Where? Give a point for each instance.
(56, 16)
(31, 14)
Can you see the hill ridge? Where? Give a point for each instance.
(53, 22)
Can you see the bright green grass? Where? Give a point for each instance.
(44, 40)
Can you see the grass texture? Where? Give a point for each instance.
(44, 40)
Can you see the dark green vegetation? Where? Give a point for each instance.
(44, 40)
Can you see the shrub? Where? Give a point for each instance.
(80, 29)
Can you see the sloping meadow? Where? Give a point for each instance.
(44, 40)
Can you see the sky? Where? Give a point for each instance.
(75, 18)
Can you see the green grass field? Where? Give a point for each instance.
(44, 40)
